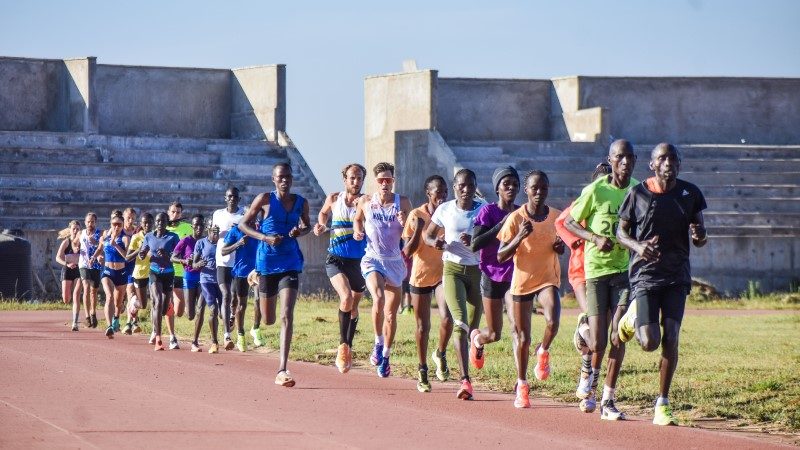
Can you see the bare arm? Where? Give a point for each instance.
(324, 214)
(507, 249)
(646, 249)
(358, 220)
(412, 244)
(228, 249)
(603, 243)
(260, 203)
(304, 227)
(432, 238)
(60, 256)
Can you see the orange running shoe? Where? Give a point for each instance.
(475, 353)
(542, 369)
(523, 396)
(465, 391)
(341, 358)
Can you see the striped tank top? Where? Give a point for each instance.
(383, 230)
(342, 243)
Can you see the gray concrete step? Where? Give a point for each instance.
(127, 156)
(140, 171)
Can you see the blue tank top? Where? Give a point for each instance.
(342, 242)
(285, 256)
(111, 253)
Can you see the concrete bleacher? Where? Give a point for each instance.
(48, 179)
(750, 190)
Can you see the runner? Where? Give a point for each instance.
(426, 280)
(279, 259)
(379, 218)
(205, 260)
(577, 279)
(245, 249)
(90, 272)
(159, 245)
(184, 254)
(176, 306)
(529, 235)
(141, 273)
(113, 246)
(495, 276)
(129, 228)
(606, 266)
(461, 275)
(343, 264)
(225, 218)
(68, 255)
(657, 218)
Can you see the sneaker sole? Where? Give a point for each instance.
(423, 388)
(464, 395)
(287, 383)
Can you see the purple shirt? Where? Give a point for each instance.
(185, 249)
(489, 216)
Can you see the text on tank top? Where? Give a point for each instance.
(382, 228)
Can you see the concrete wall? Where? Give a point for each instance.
(475, 109)
(396, 102)
(258, 102)
(697, 110)
(164, 101)
(33, 95)
(79, 95)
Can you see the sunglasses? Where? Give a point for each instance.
(385, 180)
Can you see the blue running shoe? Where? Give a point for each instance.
(115, 324)
(384, 369)
(377, 355)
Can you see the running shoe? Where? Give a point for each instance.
(110, 332)
(627, 324)
(88, 322)
(523, 396)
(584, 385)
(75, 326)
(152, 338)
(542, 368)
(384, 368)
(158, 345)
(465, 390)
(258, 340)
(196, 348)
(284, 379)
(341, 358)
(128, 329)
(94, 321)
(241, 343)
(423, 385)
(589, 404)
(377, 355)
(663, 416)
(228, 343)
(475, 352)
(136, 327)
(407, 311)
(577, 339)
(173, 344)
(440, 361)
(214, 348)
(115, 324)
(608, 411)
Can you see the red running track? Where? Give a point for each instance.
(81, 390)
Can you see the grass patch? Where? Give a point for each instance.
(742, 368)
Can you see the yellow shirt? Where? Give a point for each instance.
(427, 265)
(142, 268)
(535, 262)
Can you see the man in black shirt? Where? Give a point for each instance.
(657, 219)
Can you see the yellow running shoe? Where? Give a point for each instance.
(241, 343)
(663, 416)
(627, 324)
(341, 358)
(213, 349)
(258, 339)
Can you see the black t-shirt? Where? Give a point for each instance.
(667, 216)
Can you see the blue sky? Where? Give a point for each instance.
(329, 47)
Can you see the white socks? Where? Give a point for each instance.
(379, 339)
(541, 350)
(608, 393)
(386, 352)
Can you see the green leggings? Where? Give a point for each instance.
(462, 290)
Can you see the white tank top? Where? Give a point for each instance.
(383, 230)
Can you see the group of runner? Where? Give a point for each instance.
(628, 240)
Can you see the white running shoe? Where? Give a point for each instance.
(610, 412)
(584, 386)
(152, 338)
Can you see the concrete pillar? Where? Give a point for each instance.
(82, 104)
(392, 103)
(258, 102)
